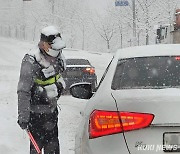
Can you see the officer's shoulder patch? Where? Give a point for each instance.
(29, 58)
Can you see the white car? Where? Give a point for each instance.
(136, 108)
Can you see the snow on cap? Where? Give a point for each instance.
(50, 30)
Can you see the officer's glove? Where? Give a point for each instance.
(59, 88)
(63, 84)
(51, 91)
(23, 125)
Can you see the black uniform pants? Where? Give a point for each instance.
(45, 131)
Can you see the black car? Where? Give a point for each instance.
(79, 70)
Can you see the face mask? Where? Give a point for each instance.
(53, 53)
(56, 47)
(58, 44)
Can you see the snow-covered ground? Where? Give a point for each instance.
(12, 138)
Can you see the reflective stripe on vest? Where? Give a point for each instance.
(48, 81)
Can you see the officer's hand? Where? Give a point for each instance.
(59, 88)
(23, 125)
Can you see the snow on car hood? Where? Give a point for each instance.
(163, 103)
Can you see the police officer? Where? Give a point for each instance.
(40, 85)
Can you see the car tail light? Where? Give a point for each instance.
(177, 58)
(90, 70)
(108, 122)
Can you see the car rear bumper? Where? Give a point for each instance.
(152, 140)
(112, 144)
(138, 142)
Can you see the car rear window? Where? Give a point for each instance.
(77, 62)
(148, 72)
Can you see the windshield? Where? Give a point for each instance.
(147, 72)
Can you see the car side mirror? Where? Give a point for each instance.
(81, 90)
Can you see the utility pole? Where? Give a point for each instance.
(24, 14)
(126, 3)
(122, 3)
(134, 18)
(53, 10)
(53, 3)
(120, 30)
(147, 23)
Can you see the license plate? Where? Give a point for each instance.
(74, 73)
(171, 142)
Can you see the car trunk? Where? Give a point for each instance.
(164, 104)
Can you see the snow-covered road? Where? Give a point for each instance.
(12, 138)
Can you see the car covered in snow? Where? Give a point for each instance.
(79, 70)
(136, 106)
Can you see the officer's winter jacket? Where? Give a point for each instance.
(40, 84)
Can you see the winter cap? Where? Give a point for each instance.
(48, 34)
(49, 30)
(52, 36)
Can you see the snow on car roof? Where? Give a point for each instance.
(149, 50)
